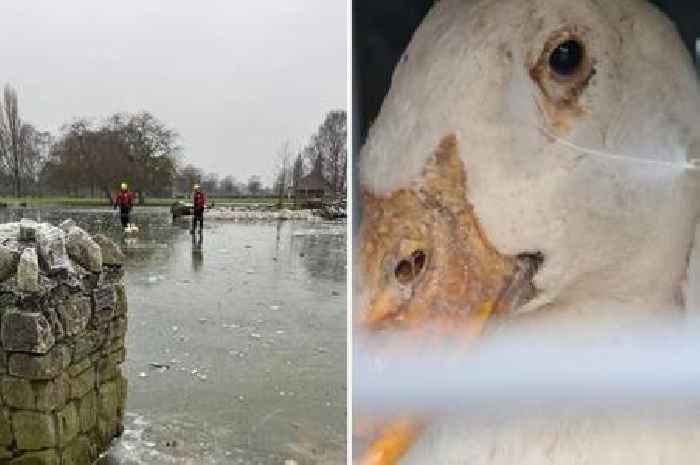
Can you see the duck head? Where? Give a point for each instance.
(530, 154)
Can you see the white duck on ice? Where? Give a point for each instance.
(131, 228)
(575, 126)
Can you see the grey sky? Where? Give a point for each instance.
(235, 78)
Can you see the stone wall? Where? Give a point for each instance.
(62, 328)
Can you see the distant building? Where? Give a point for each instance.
(313, 185)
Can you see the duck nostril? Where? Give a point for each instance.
(409, 268)
(531, 260)
(418, 261)
(404, 271)
(521, 288)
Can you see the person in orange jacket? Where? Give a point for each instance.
(199, 202)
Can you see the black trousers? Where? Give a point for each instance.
(198, 216)
(124, 214)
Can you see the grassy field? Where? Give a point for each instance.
(102, 202)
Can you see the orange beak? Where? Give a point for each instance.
(397, 438)
(462, 280)
(394, 442)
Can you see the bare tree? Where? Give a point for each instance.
(10, 133)
(153, 147)
(255, 186)
(34, 150)
(297, 174)
(229, 186)
(210, 183)
(189, 176)
(137, 149)
(332, 138)
(87, 159)
(330, 143)
(283, 175)
(23, 148)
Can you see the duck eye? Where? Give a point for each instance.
(567, 58)
(409, 268)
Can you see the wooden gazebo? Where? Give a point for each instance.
(313, 185)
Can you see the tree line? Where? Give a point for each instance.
(329, 143)
(91, 157)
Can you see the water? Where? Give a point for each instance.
(236, 350)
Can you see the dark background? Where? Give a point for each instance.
(382, 30)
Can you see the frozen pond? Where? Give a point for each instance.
(236, 346)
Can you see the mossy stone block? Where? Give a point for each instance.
(87, 411)
(34, 430)
(44, 457)
(46, 366)
(78, 452)
(82, 384)
(68, 424)
(5, 430)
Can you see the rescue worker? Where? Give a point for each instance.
(199, 202)
(124, 201)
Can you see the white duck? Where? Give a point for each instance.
(131, 228)
(533, 158)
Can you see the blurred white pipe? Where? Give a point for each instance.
(638, 371)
